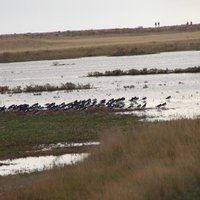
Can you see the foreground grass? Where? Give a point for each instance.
(20, 132)
(192, 194)
(147, 161)
(113, 42)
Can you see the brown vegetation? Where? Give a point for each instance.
(145, 71)
(44, 88)
(113, 42)
(150, 161)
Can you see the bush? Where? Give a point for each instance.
(145, 71)
(4, 89)
(44, 88)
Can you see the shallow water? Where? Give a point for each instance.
(44, 147)
(184, 88)
(36, 164)
(41, 72)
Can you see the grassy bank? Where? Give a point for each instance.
(44, 88)
(141, 161)
(113, 42)
(145, 71)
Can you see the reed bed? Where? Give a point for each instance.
(145, 71)
(150, 161)
(44, 88)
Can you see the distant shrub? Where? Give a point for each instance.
(4, 89)
(95, 74)
(16, 89)
(68, 86)
(44, 88)
(129, 86)
(40, 88)
(145, 71)
(49, 88)
(133, 72)
(116, 72)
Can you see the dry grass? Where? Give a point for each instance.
(96, 43)
(151, 161)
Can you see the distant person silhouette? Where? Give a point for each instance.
(158, 24)
(155, 24)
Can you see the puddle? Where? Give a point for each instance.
(41, 163)
(33, 164)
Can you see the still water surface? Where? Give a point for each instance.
(40, 72)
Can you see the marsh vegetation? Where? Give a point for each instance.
(145, 71)
(44, 88)
(136, 160)
(53, 127)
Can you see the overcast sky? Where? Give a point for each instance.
(21, 16)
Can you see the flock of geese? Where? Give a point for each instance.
(135, 103)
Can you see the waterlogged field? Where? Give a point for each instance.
(148, 165)
(184, 89)
(144, 161)
(67, 136)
